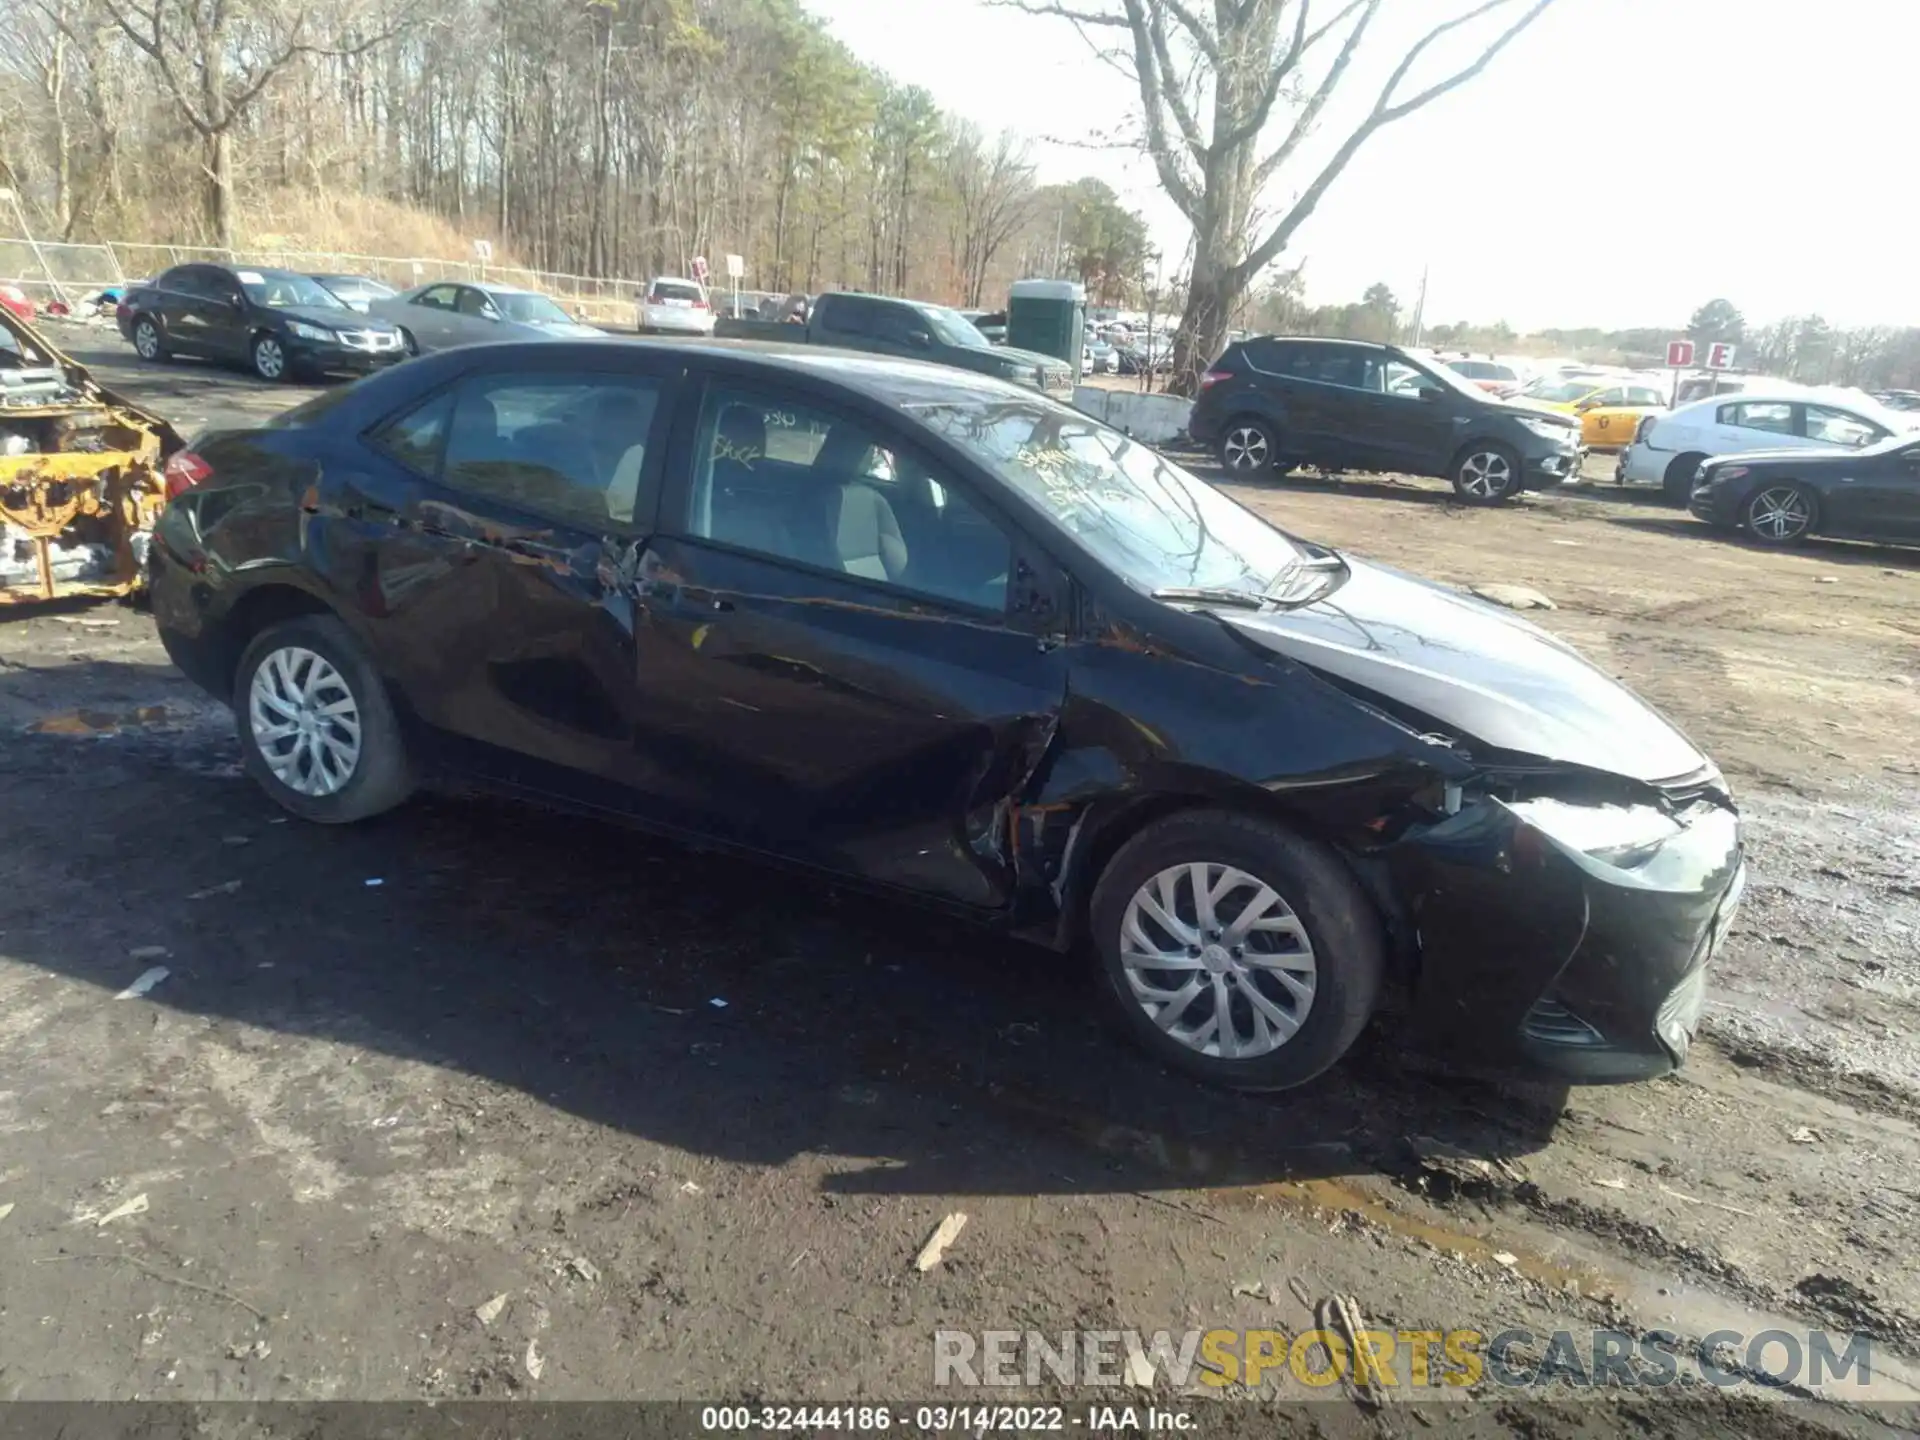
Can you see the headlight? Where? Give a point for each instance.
(309, 332)
(1617, 834)
(1548, 429)
(1730, 472)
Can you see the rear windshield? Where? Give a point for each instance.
(677, 292)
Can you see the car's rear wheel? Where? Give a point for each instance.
(1677, 483)
(1486, 474)
(269, 357)
(147, 343)
(1246, 446)
(1780, 515)
(317, 731)
(1236, 949)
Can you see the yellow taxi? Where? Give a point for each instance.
(1610, 407)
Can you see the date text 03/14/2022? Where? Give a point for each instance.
(942, 1419)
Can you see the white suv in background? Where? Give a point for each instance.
(672, 306)
(1667, 449)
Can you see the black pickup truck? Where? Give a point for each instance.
(909, 328)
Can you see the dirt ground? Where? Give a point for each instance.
(396, 1071)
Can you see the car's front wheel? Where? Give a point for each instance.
(1486, 474)
(317, 730)
(147, 343)
(1780, 515)
(269, 357)
(1247, 446)
(408, 343)
(1236, 949)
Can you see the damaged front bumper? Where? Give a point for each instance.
(1582, 960)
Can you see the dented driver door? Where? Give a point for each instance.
(876, 719)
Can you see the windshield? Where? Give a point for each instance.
(528, 309)
(950, 327)
(280, 291)
(1148, 520)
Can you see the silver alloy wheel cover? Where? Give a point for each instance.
(1245, 448)
(268, 358)
(1218, 960)
(305, 721)
(146, 340)
(1780, 513)
(1485, 475)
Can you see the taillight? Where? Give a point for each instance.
(184, 471)
(699, 304)
(1214, 377)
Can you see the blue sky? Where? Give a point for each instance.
(1621, 163)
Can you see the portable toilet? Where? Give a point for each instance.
(1049, 316)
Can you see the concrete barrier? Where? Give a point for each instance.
(1155, 419)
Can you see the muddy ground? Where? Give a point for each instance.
(467, 1052)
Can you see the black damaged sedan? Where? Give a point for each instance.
(925, 631)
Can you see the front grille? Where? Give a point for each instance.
(1552, 1023)
(370, 339)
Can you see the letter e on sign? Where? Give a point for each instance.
(1720, 356)
(1679, 354)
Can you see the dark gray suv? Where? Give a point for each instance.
(1354, 405)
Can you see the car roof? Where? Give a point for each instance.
(1331, 340)
(896, 382)
(675, 280)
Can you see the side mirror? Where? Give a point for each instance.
(238, 300)
(487, 312)
(920, 339)
(1431, 392)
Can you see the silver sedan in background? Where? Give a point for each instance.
(446, 313)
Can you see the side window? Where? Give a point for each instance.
(896, 324)
(847, 315)
(472, 301)
(440, 297)
(1644, 395)
(1269, 357)
(416, 438)
(566, 446)
(1774, 416)
(839, 495)
(1837, 427)
(1337, 365)
(202, 282)
(1395, 377)
(1615, 396)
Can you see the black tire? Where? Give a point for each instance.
(1780, 515)
(1677, 483)
(383, 775)
(268, 355)
(408, 343)
(1247, 446)
(1339, 922)
(148, 343)
(1486, 473)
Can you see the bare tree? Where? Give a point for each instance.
(993, 195)
(1213, 80)
(215, 57)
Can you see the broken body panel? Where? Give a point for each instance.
(80, 475)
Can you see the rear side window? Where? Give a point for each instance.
(417, 437)
(1329, 365)
(847, 315)
(566, 446)
(1773, 416)
(1267, 356)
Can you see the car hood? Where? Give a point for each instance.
(1474, 669)
(326, 317)
(1533, 409)
(1003, 353)
(558, 329)
(1795, 457)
